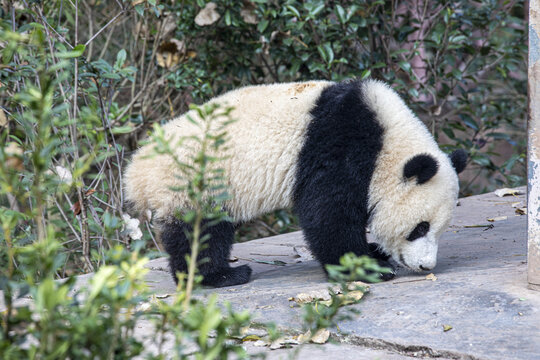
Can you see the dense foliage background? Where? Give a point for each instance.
(83, 82)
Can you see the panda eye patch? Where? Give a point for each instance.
(420, 230)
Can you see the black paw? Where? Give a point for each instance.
(382, 276)
(228, 276)
(376, 252)
(389, 275)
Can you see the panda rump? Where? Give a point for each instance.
(334, 152)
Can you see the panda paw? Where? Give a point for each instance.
(228, 276)
(389, 275)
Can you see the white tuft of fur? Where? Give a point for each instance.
(261, 153)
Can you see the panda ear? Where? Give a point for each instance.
(459, 160)
(423, 166)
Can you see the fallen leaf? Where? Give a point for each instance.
(351, 297)
(447, 328)
(521, 211)
(245, 331)
(321, 336)
(3, 118)
(326, 302)
(261, 343)
(248, 13)
(208, 15)
(302, 254)
(431, 277)
(355, 295)
(89, 192)
(283, 342)
(508, 192)
(358, 285)
(304, 298)
(14, 156)
(76, 208)
(168, 25)
(251, 338)
(357, 289)
(498, 218)
(146, 306)
(305, 337)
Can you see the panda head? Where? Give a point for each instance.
(409, 217)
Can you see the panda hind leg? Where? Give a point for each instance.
(213, 259)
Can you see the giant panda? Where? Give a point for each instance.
(345, 156)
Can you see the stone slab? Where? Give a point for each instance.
(481, 291)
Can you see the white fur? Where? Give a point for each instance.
(401, 204)
(260, 161)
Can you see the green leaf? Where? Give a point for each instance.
(469, 121)
(140, 9)
(76, 52)
(405, 66)
(293, 10)
(262, 25)
(322, 53)
(341, 14)
(449, 132)
(126, 129)
(457, 73)
(120, 59)
(228, 18)
(330, 52)
(413, 92)
(316, 10)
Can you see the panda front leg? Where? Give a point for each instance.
(332, 233)
(328, 246)
(215, 252)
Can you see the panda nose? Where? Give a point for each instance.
(425, 268)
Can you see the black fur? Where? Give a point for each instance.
(335, 167)
(420, 230)
(423, 166)
(215, 253)
(459, 160)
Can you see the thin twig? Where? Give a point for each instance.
(104, 27)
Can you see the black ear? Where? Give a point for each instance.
(459, 160)
(423, 166)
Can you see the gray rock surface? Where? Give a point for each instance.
(481, 292)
